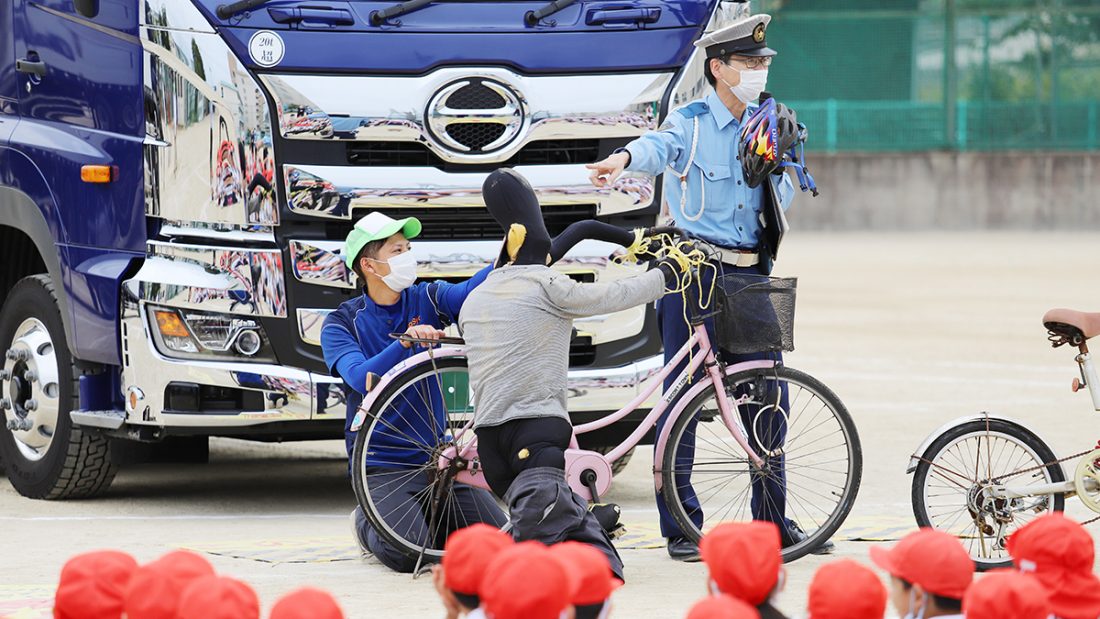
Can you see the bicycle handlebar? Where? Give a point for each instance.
(404, 337)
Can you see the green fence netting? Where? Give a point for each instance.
(896, 75)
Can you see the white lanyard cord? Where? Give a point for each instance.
(684, 175)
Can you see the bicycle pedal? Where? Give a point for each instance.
(617, 532)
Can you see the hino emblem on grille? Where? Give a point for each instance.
(475, 115)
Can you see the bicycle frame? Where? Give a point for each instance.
(1068, 488)
(600, 464)
(1088, 375)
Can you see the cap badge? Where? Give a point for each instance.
(758, 33)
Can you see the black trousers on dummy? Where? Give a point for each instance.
(524, 463)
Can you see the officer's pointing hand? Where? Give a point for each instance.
(606, 172)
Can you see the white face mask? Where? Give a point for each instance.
(402, 271)
(752, 84)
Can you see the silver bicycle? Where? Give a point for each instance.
(984, 476)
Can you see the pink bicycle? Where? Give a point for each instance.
(736, 436)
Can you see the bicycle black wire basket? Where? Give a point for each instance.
(755, 313)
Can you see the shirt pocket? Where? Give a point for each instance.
(713, 171)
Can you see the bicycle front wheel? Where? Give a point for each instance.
(953, 475)
(410, 500)
(812, 467)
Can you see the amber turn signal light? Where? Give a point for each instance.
(98, 173)
(170, 324)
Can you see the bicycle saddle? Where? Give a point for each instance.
(1071, 326)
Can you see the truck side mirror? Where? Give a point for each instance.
(87, 8)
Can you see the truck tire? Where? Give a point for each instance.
(50, 459)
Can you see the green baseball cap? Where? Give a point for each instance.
(377, 226)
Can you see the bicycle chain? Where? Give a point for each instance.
(1043, 466)
(1016, 473)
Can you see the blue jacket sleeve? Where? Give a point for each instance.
(447, 298)
(346, 358)
(656, 150)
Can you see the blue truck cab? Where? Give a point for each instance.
(177, 178)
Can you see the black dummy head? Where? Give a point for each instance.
(511, 200)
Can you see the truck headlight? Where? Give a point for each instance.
(192, 334)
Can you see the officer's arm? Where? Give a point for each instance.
(654, 151)
(784, 189)
(346, 359)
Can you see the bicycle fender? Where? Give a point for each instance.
(681, 404)
(368, 401)
(914, 459)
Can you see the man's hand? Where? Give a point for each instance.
(423, 332)
(606, 172)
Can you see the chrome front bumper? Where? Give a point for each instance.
(291, 394)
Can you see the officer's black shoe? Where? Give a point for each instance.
(683, 549)
(794, 534)
(608, 514)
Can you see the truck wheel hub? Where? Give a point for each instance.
(32, 389)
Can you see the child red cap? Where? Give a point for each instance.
(93, 585)
(595, 581)
(722, 607)
(1004, 594)
(155, 589)
(307, 603)
(846, 590)
(468, 553)
(218, 597)
(1059, 553)
(932, 559)
(526, 582)
(744, 559)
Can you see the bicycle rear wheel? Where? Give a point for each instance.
(410, 501)
(952, 473)
(813, 462)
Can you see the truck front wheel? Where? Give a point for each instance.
(45, 456)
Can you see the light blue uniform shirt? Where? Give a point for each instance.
(730, 209)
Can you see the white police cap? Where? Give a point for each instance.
(744, 37)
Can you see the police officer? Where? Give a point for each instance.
(707, 195)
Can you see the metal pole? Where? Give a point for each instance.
(950, 77)
(1091, 143)
(830, 125)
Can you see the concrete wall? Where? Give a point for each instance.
(952, 191)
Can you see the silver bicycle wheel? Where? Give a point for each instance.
(952, 478)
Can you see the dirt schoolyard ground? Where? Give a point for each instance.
(911, 330)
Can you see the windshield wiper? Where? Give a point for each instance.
(377, 18)
(225, 11)
(533, 17)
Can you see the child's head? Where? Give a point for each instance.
(507, 591)
(744, 560)
(929, 572)
(846, 590)
(466, 557)
(596, 582)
